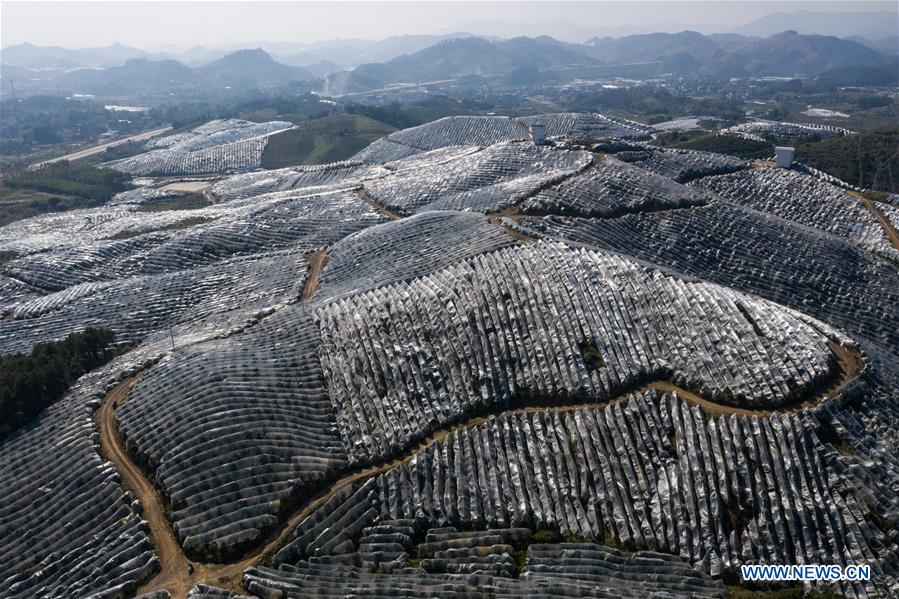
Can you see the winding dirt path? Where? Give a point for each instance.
(178, 574)
(112, 447)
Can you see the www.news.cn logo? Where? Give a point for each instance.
(805, 573)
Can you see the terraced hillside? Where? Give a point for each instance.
(221, 146)
(786, 132)
(457, 364)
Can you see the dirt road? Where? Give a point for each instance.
(112, 446)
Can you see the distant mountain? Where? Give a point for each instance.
(888, 46)
(251, 67)
(400, 45)
(239, 71)
(529, 61)
(521, 61)
(730, 41)
(791, 53)
(448, 59)
(46, 57)
(321, 69)
(303, 58)
(871, 25)
(654, 47)
(730, 55)
(197, 56)
(351, 53)
(457, 58)
(138, 75)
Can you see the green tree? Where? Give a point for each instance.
(31, 382)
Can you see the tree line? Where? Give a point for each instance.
(31, 382)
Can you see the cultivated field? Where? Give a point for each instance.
(458, 363)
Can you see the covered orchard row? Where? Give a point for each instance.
(650, 472)
(549, 323)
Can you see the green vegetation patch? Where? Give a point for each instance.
(884, 525)
(71, 179)
(730, 145)
(58, 187)
(864, 159)
(186, 201)
(828, 435)
(546, 536)
(31, 382)
(327, 139)
(7, 257)
(403, 116)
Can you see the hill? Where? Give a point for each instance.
(138, 75)
(725, 56)
(42, 57)
(872, 25)
(790, 53)
(463, 57)
(528, 61)
(250, 67)
(460, 364)
(238, 70)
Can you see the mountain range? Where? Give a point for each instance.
(340, 54)
(242, 69)
(724, 56)
(54, 57)
(687, 53)
(868, 25)
(517, 61)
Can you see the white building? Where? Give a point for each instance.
(783, 156)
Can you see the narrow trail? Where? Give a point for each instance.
(512, 213)
(366, 197)
(885, 223)
(317, 261)
(178, 573)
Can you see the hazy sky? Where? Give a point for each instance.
(165, 25)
